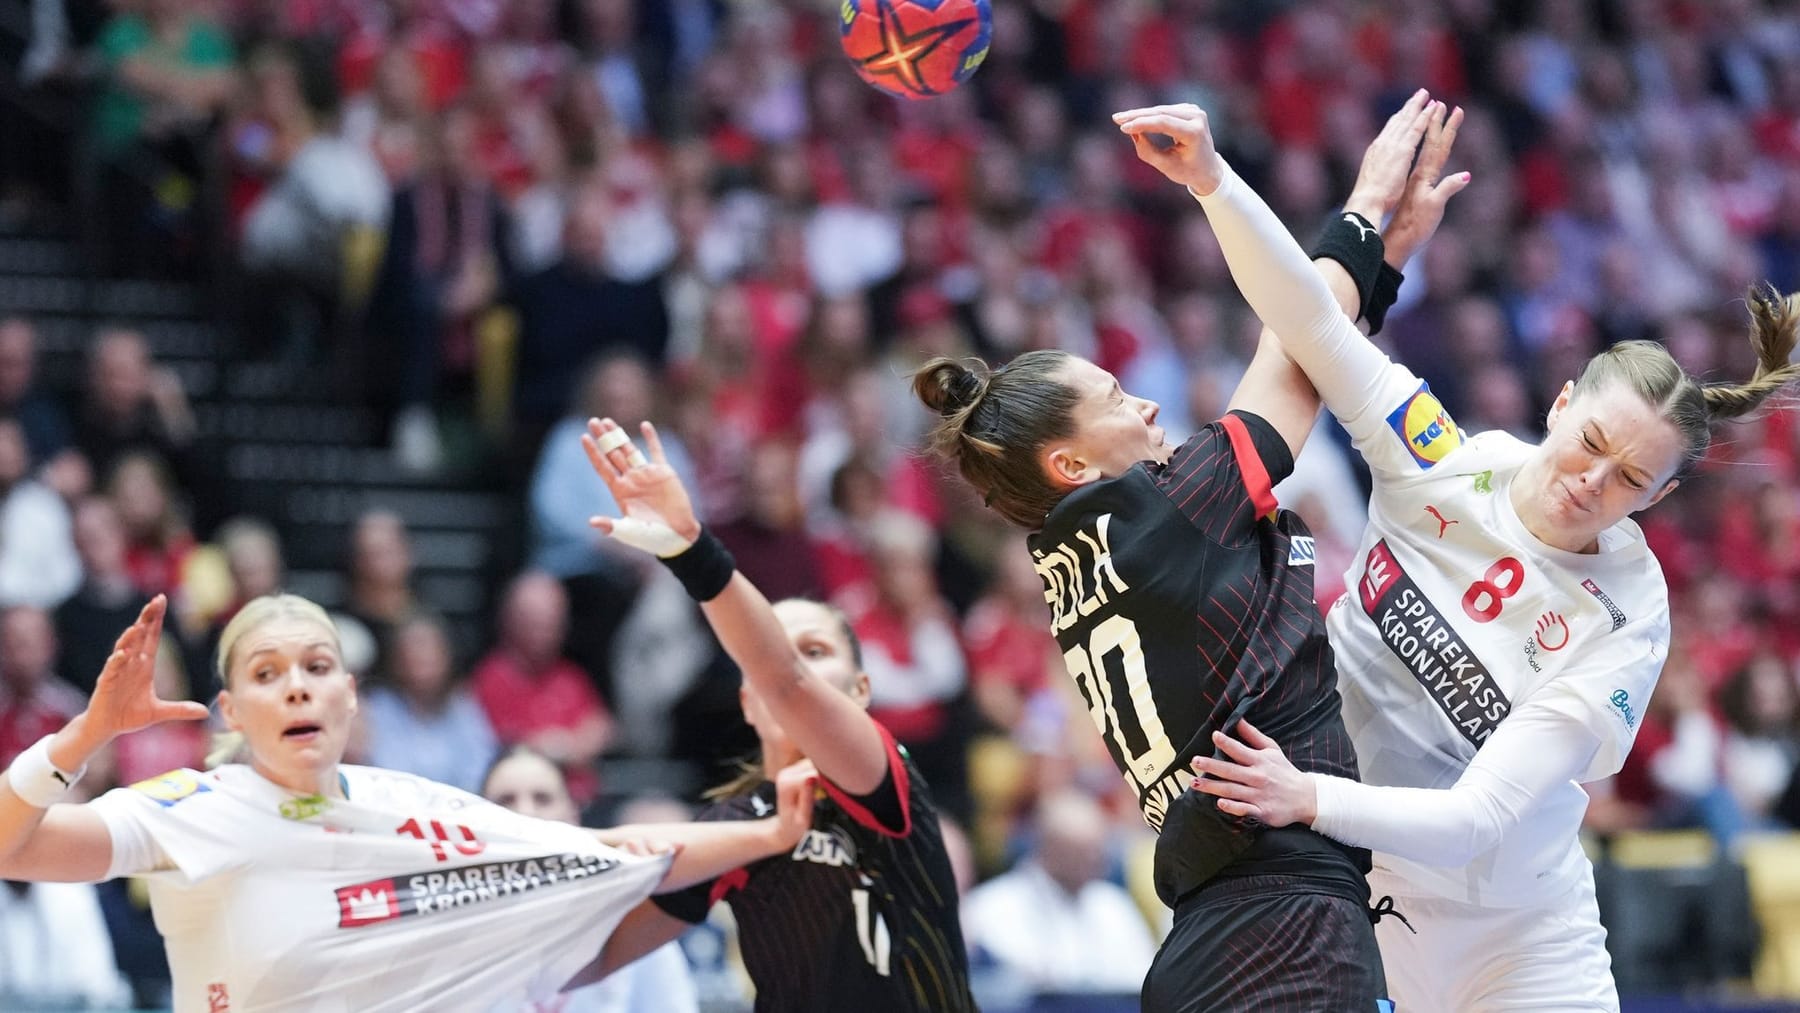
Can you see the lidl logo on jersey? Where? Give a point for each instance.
(439, 890)
(1428, 645)
(168, 789)
(1302, 551)
(1425, 427)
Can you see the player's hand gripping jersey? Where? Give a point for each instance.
(407, 896)
(1469, 653)
(1182, 599)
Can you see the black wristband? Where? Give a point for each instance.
(704, 568)
(1381, 298)
(1352, 241)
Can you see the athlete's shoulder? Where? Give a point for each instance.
(177, 786)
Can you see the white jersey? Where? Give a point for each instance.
(1456, 616)
(408, 895)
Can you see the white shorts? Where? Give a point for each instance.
(1481, 960)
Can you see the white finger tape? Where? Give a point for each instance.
(613, 439)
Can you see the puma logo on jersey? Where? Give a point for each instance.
(833, 848)
(760, 805)
(1301, 552)
(1443, 525)
(1363, 231)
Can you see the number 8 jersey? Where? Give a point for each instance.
(1455, 616)
(1182, 598)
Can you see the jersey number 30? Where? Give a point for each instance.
(1110, 671)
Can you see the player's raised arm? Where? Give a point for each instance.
(44, 840)
(827, 725)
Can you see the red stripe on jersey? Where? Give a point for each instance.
(736, 879)
(902, 788)
(1250, 464)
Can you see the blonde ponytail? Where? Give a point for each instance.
(1774, 326)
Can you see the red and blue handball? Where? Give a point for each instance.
(915, 48)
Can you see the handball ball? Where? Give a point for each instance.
(915, 48)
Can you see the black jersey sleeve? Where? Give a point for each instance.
(1222, 479)
(888, 809)
(690, 904)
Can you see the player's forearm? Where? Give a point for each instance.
(828, 727)
(1432, 826)
(1308, 307)
(644, 930)
(706, 850)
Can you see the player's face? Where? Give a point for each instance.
(820, 641)
(289, 695)
(1113, 430)
(532, 786)
(1608, 455)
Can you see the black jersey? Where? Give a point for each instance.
(862, 915)
(1182, 598)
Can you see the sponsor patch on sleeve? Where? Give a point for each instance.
(1425, 427)
(168, 789)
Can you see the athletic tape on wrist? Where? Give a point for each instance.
(36, 780)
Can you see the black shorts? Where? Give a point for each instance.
(1267, 943)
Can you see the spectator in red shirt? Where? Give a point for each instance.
(535, 696)
(33, 701)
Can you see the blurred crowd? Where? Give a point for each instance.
(520, 214)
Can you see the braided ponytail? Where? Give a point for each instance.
(1774, 326)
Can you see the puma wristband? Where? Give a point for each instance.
(1351, 240)
(36, 780)
(705, 568)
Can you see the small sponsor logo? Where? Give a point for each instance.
(305, 807)
(1302, 551)
(366, 904)
(1484, 480)
(1426, 428)
(1618, 617)
(826, 847)
(437, 890)
(1621, 702)
(1552, 632)
(1443, 524)
(218, 997)
(168, 789)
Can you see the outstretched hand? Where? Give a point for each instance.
(658, 516)
(1190, 159)
(1262, 782)
(1428, 190)
(1381, 182)
(124, 698)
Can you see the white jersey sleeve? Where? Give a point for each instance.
(1391, 415)
(145, 843)
(1605, 692)
(1536, 748)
